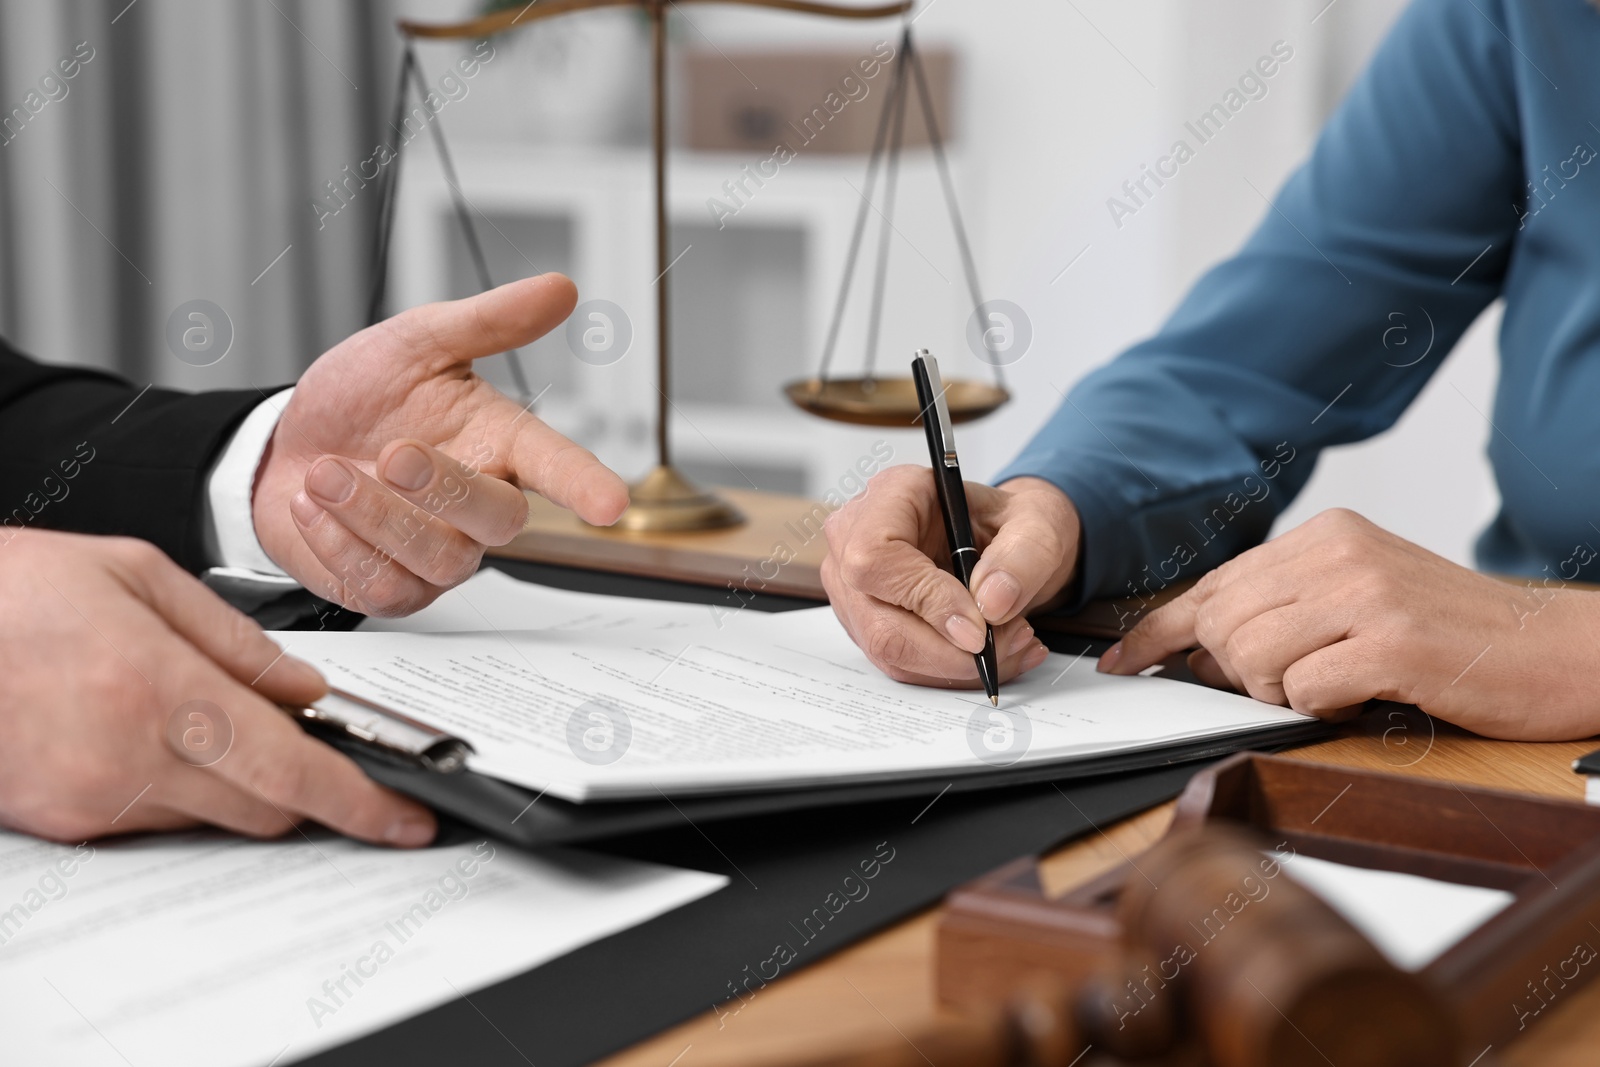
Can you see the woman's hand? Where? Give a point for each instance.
(1337, 612)
(912, 617)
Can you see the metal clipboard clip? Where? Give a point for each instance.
(386, 730)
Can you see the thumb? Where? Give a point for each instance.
(1031, 553)
(458, 331)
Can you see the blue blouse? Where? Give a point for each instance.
(1463, 166)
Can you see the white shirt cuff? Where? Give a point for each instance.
(241, 569)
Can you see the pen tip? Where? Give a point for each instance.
(995, 700)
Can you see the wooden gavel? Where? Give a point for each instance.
(1224, 962)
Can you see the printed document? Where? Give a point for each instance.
(741, 701)
(208, 950)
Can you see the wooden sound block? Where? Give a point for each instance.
(1496, 982)
(778, 550)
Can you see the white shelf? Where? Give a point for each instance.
(779, 260)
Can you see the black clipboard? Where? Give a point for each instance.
(533, 820)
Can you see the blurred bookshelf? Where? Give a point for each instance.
(751, 294)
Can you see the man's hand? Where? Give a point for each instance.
(910, 615)
(394, 466)
(113, 662)
(1337, 612)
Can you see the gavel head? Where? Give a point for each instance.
(1265, 971)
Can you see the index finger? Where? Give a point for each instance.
(1171, 627)
(272, 758)
(1168, 629)
(565, 473)
(229, 637)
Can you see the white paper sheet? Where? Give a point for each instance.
(760, 702)
(493, 600)
(1411, 920)
(206, 950)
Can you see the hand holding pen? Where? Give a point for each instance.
(889, 581)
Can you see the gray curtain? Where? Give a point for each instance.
(181, 162)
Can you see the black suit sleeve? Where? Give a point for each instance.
(89, 452)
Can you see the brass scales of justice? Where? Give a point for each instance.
(665, 500)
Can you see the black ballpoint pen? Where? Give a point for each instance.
(952, 499)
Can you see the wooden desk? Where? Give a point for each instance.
(881, 989)
(778, 550)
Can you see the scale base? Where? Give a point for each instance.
(665, 501)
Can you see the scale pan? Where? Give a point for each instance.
(889, 401)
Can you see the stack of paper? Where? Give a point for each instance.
(597, 698)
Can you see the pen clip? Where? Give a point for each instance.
(941, 408)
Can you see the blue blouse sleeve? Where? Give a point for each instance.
(1182, 451)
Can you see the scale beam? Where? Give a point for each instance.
(501, 21)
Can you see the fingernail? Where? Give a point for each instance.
(410, 831)
(305, 512)
(964, 633)
(1036, 657)
(1020, 641)
(1108, 660)
(408, 468)
(998, 595)
(329, 480)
